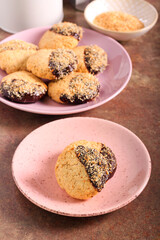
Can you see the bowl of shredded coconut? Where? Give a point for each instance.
(122, 20)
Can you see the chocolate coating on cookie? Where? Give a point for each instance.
(80, 90)
(100, 166)
(19, 90)
(68, 29)
(62, 62)
(95, 59)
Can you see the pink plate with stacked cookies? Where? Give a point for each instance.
(34, 161)
(112, 80)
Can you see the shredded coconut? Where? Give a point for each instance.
(118, 21)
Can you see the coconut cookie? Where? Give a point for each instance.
(22, 87)
(83, 168)
(92, 59)
(14, 54)
(52, 64)
(76, 88)
(61, 35)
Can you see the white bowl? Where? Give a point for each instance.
(18, 15)
(141, 9)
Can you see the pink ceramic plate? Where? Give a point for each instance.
(34, 161)
(113, 79)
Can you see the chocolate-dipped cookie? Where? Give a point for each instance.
(52, 64)
(14, 54)
(22, 87)
(76, 88)
(84, 167)
(92, 59)
(61, 35)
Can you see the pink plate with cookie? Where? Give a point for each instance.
(33, 166)
(112, 81)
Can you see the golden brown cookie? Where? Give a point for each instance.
(14, 54)
(83, 168)
(61, 35)
(17, 44)
(76, 88)
(52, 64)
(22, 87)
(92, 59)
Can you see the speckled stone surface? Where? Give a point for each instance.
(138, 109)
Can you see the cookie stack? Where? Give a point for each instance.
(69, 70)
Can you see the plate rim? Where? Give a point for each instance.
(67, 112)
(96, 213)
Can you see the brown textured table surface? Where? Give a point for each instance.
(137, 108)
